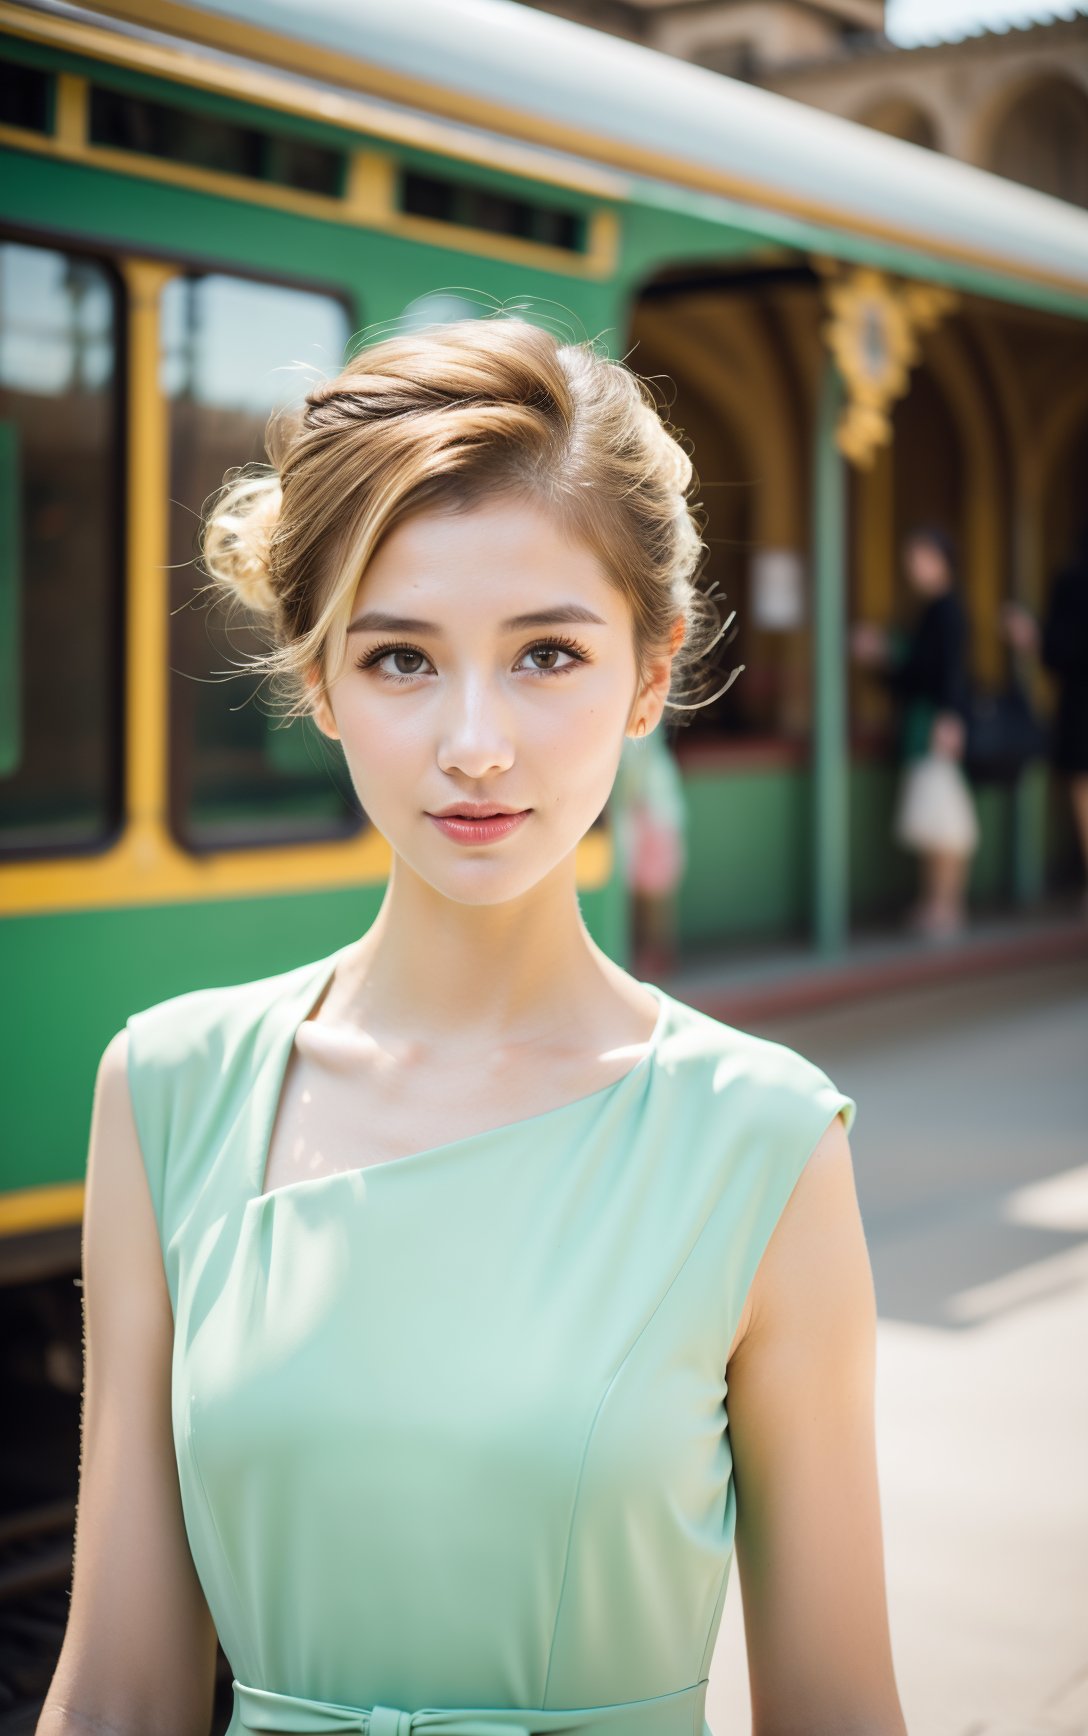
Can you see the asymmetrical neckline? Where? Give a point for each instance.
(291, 1014)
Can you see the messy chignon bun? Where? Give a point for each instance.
(442, 418)
(237, 539)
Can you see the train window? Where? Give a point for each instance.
(60, 479)
(26, 97)
(449, 201)
(232, 350)
(206, 141)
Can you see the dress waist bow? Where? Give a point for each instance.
(676, 1714)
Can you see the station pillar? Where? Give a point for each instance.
(830, 759)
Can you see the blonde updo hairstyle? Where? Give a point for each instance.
(446, 418)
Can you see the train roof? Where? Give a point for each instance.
(684, 138)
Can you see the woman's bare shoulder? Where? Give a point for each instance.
(814, 1279)
(119, 1222)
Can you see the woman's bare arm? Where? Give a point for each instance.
(801, 1422)
(139, 1649)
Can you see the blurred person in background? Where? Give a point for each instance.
(925, 667)
(650, 824)
(1061, 643)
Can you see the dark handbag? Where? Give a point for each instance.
(1004, 734)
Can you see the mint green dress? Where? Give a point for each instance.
(452, 1429)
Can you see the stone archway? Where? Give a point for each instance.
(737, 400)
(1038, 135)
(903, 118)
(729, 464)
(1064, 510)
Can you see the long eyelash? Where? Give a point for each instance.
(377, 652)
(559, 643)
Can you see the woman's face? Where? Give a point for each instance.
(926, 566)
(458, 686)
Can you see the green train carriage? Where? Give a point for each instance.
(201, 206)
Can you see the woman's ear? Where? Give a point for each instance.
(320, 709)
(655, 689)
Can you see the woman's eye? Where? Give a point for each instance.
(382, 655)
(404, 652)
(545, 651)
(561, 647)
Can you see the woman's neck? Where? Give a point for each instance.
(430, 966)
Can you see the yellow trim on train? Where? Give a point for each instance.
(335, 108)
(54, 1206)
(369, 200)
(70, 123)
(147, 866)
(592, 149)
(145, 852)
(368, 204)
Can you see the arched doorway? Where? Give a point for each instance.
(901, 118)
(721, 344)
(1041, 140)
(730, 477)
(1065, 506)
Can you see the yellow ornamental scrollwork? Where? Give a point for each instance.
(873, 332)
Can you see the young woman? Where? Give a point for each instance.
(927, 671)
(455, 1302)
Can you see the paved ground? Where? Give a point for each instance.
(971, 1151)
(757, 980)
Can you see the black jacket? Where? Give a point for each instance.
(1065, 653)
(934, 666)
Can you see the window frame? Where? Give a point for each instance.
(116, 519)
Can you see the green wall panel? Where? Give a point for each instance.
(747, 869)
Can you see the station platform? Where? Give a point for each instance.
(748, 982)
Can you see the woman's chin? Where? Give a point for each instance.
(482, 879)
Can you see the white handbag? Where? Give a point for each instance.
(935, 809)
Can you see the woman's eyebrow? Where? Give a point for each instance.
(377, 621)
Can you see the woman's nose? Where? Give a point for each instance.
(475, 736)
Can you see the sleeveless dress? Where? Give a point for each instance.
(451, 1429)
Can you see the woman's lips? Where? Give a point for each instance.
(464, 831)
